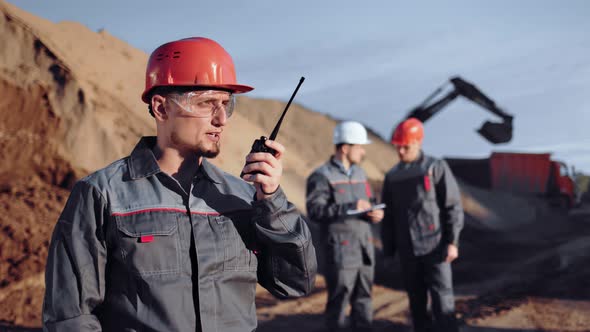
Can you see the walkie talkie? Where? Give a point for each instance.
(259, 144)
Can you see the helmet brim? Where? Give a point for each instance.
(233, 88)
(368, 141)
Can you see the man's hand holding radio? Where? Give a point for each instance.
(265, 170)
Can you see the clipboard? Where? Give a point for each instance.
(373, 208)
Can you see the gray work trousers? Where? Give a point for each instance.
(349, 285)
(426, 275)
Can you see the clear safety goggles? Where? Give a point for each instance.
(206, 103)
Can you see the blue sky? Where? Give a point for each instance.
(374, 61)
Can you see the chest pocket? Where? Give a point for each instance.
(426, 207)
(427, 217)
(149, 243)
(342, 192)
(235, 232)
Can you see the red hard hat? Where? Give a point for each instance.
(197, 61)
(409, 131)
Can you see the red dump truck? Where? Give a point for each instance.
(526, 173)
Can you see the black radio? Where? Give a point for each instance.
(259, 144)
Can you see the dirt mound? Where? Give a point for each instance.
(500, 210)
(54, 111)
(523, 265)
(28, 212)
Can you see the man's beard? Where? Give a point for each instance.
(212, 153)
(357, 162)
(198, 148)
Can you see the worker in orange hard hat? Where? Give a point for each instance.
(407, 139)
(422, 222)
(163, 240)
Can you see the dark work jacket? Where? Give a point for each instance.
(132, 251)
(423, 210)
(331, 192)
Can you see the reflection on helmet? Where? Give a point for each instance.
(350, 132)
(407, 132)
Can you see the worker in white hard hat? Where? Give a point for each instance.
(339, 198)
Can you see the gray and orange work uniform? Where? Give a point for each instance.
(333, 190)
(423, 216)
(132, 251)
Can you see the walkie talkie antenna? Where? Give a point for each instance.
(275, 131)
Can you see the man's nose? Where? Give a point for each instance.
(220, 117)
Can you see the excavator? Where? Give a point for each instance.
(494, 132)
(532, 173)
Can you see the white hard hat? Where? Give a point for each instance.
(350, 132)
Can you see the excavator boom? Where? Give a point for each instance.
(494, 132)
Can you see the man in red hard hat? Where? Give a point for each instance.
(422, 222)
(163, 240)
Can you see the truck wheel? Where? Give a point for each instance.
(563, 202)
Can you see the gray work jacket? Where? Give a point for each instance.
(132, 251)
(331, 192)
(423, 210)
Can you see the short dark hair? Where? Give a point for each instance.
(340, 145)
(165, 90)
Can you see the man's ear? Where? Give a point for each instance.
(345, 149)
(159, 107)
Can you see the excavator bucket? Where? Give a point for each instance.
(496, 132)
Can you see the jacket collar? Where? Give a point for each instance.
(210, 171)
(143, 163)
(416, 162)
(338, 164)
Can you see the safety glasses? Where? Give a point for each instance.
(206, 103)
